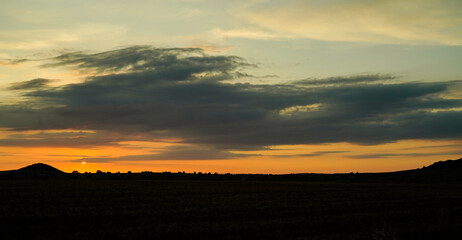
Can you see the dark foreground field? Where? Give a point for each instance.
(168, 209)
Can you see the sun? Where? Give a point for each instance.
(84, 162)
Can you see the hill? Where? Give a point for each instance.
(442, 171)
(449, 170)
(36, 170)
(446, 165)
(39, 168)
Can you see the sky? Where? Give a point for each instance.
(255, 86)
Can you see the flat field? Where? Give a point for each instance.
(169, 209)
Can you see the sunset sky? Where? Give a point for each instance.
(250, 86)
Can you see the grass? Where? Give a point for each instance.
(166, 209)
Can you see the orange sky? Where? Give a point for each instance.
(320, 158)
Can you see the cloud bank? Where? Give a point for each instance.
(145, 93)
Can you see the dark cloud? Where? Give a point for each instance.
(62, 139)
(357, 79)
(175, 64)
(180, 93)
(314, 154)
(31, 84)
(181, 152)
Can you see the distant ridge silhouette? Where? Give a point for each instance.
(36, 170)
(448, 164)
(442, 171)
(40, 168)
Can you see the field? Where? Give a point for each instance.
(185, 209)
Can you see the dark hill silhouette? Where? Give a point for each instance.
(449, 170)
(36, 170)
(442, 171)
(40, 168)
(446, 165)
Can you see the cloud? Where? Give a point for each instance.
(329, 152)
(376, 21)
(66, 139)
(17, 61)
(173, 63)
(36, 39)
(314, 154)
(357, 79)
(435, 146)
(6, 154)
(178, 152)
(31, 84)
(66, 155)
(246, 33)
(208, 47)
(181, 93)
(386, 155)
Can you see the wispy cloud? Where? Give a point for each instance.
(209, 47)
(386, 155)
(6, 62)
(178, 152)
(377, 21)
(245, 33)
(37, 39)
(31, 84)
(313, 154)
(343, 80)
